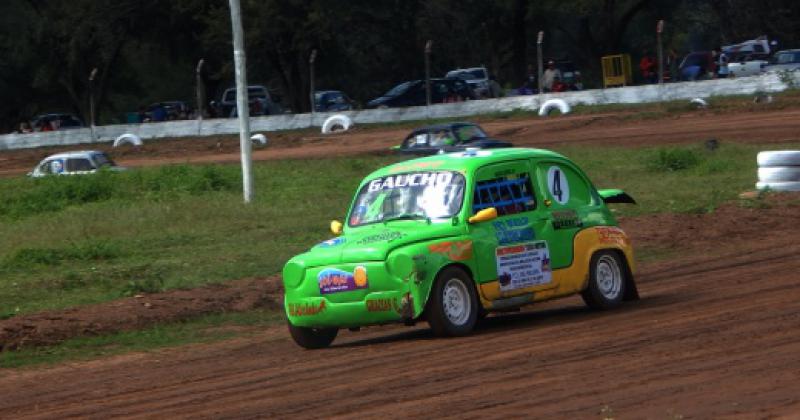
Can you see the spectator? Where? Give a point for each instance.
(647, 65)
(550, 76)
(159, 113)
(722, 64)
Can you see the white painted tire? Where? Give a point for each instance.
(259, 139)
(779, 158)
(699, 102)
(128, 138)
(778, 186)
(552, 104)
(335, 123)
(779, 174)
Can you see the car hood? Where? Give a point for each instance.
(374, 242)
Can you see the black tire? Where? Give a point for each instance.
(312, 338)
(459, 316)
(607, 281)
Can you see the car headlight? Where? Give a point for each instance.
(293, 273)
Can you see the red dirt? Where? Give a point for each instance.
(614, 129)
(715, 335)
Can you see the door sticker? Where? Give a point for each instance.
(557, 184)
(57, 166)
(523, 265)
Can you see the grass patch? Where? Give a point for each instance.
(202, 330)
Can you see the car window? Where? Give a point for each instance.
(510, 193)
(79, 164)
(422, 195)
(399, 89)
(418, 140)
(477, 74)
(442, 137)
(565, 187)
(469, 132)
(102, 159)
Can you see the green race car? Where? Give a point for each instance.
(449, 238)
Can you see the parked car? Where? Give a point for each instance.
(746, 64)
(784, 60)
(476, 77)
(448, 238)
(695, 65)
(259, 99)
(74, 163)
(413, 93)
(56, 121)
(331, 101)
(450, 137)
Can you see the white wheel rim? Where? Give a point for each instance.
(455, 299)
(609, 277)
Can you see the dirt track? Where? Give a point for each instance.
(624, 130)
(716, 334)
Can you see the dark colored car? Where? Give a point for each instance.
(413, 93)
(452, 137)
(168, 110)
(331, 101)
(258, 98)
(52, 122)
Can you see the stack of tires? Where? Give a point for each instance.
(779, 170)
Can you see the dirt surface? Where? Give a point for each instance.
(614, 129)
(715, 335)
(52, 327)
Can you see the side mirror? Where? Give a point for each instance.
(336, 227)
(484, 215)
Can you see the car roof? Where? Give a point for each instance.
(463, 161)
(788, 51)
(443, 126)
(73, 154)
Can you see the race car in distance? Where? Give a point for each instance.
(450, 137)
(449, 238)
(74, 163)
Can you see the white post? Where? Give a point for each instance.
(242, 107)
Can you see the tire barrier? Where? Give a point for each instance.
(259, 139)
(338, 122)
(699, 102)
(779, 170)
(128, 138)
(551, 104)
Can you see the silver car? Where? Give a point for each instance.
(74, 163)
(784, 60)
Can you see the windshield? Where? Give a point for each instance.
(418, 195)
(102, 159)
(397, 90)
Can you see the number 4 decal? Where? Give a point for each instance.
(558, 185)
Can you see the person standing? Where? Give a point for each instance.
(550, 76)
(722, 64)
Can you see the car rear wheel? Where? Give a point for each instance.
(453, 306)
(312, 338)
(606, 281)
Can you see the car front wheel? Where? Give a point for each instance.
(312, 338)
(606, 281)
(453, 305)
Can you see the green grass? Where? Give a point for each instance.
(149, 230)
(201, 330)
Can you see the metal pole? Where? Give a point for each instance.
(311, 83)
(659, 29)
(539, 59)
(92, 76)
(242, 108)
(428, 47)
(200, 90)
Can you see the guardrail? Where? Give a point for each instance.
(770, 82)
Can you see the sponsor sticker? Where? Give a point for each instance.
(523, 265)
(333, 280)
(566, 219)
(454, 250)
(430, 179)
(306, 309)
(380, 237)
(612, 235)
(332, 242)
(513, 230)
(382, 305)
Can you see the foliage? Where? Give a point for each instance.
(147, 50)
(674, 159)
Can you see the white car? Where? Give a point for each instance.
(787, 60)
(476, 77)
(74, 163)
